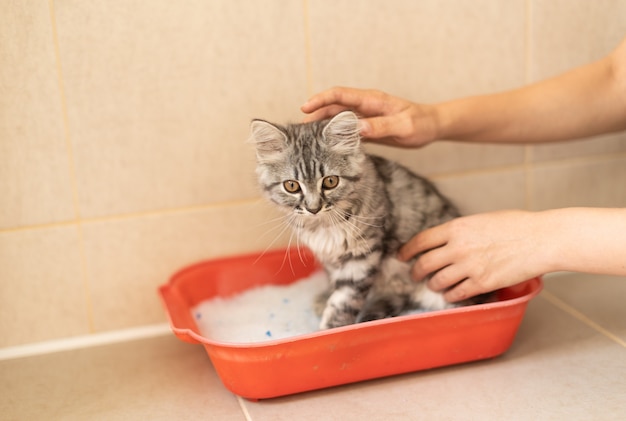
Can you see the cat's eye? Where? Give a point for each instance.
(330, 182)
(291, 186)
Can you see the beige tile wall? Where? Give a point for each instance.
(122, 128)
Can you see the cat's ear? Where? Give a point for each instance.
(342, 132)
(268, 139)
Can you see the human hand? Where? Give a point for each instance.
(476, 254)
(384, 118)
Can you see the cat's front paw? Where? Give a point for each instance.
(333, 317)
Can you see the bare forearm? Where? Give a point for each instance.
(588, 240)
(586, 101)
(583, 102)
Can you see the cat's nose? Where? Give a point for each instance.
(314, 211)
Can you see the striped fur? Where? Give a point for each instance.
(356, 227)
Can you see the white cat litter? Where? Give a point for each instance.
(264, 313)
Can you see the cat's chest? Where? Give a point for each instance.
(327, 244)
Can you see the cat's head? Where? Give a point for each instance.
(311, 169)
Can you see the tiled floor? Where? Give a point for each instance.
(567, 362)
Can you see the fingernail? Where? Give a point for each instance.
(306, 104)
(365, 127)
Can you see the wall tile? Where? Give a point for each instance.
(595, 183)
(35, 182)
(160, 96)
(128, 259)
(426, 51)
(42, 294)
(484, 192)
(567, 34)
(447, 157)
(599, 145)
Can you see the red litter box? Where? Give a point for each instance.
(337, 356)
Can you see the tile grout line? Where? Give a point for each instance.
(442, 176)
(307, 48)
(123, 217)
(528, 50)
(244, 409)
(576, 160)
(72, 171)
(528, 179)
(476, 171)
(66, 127)
(85, 341)
(528, 149)
(557, 302)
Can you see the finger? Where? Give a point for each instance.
(462, 291)
(365, 102)
(349, 97)
(446, 277)
(425, 240)
(389, 141)
(430, 262)
(324, 112)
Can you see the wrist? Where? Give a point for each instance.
(448, 120)
(435, 121)
(549, 229)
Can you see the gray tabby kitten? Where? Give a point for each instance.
(354, 211)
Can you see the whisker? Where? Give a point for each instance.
(285, 225)
(353, 229)
(269, 221)
(300, 225)
(360, 218)
(296, 223)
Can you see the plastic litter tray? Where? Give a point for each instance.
(336, 356)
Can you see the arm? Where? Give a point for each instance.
(586, 101)
(583, 102)
(481, 253)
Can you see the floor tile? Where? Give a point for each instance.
(600, 298)
(155, 379)
(557, 368)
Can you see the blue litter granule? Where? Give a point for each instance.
(285, 300)
(268, 334)
(198, 316)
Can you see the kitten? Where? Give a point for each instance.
(354, 211)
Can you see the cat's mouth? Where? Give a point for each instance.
(312, 211)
